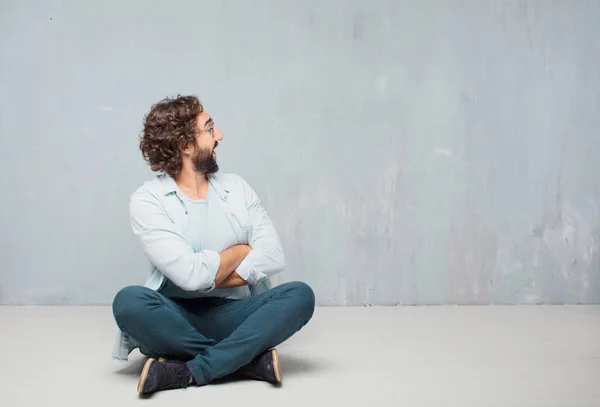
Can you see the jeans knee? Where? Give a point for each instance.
(128, 302)
(305, 297)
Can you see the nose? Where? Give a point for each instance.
(218, 134)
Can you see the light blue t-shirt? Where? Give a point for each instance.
(209, 230)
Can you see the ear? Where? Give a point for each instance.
(186, 149)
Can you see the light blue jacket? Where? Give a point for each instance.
(159, 218)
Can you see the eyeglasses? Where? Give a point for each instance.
(211, 130)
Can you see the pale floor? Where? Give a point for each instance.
(409, 356)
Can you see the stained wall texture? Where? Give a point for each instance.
(409, 152)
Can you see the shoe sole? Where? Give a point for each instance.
(276, 366)
(144, 374)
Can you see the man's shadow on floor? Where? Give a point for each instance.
(290, 366)
(134, 367)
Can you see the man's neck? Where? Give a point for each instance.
(193, 184)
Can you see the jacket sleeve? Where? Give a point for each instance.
(167, 249)
(266, 257)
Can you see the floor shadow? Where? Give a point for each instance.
(291, 365)
(227, 380)
(133, 368)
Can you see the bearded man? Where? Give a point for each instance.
(207, 310)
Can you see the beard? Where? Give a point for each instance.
(204, 162)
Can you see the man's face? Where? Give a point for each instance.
(204, 157)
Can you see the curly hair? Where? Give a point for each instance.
(169, 127)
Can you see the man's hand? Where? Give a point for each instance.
(230, 260)
(234, 280)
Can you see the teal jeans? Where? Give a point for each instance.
(215, 336)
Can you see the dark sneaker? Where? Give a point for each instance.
(264, 367)
(168, 375)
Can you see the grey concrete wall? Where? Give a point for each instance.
(409, 152)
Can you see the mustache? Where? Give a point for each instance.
(216, 144)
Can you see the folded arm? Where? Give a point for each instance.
(266, 257)
(230, 259)
(234, 280)
(170, 252)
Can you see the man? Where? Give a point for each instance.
(207, 310)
